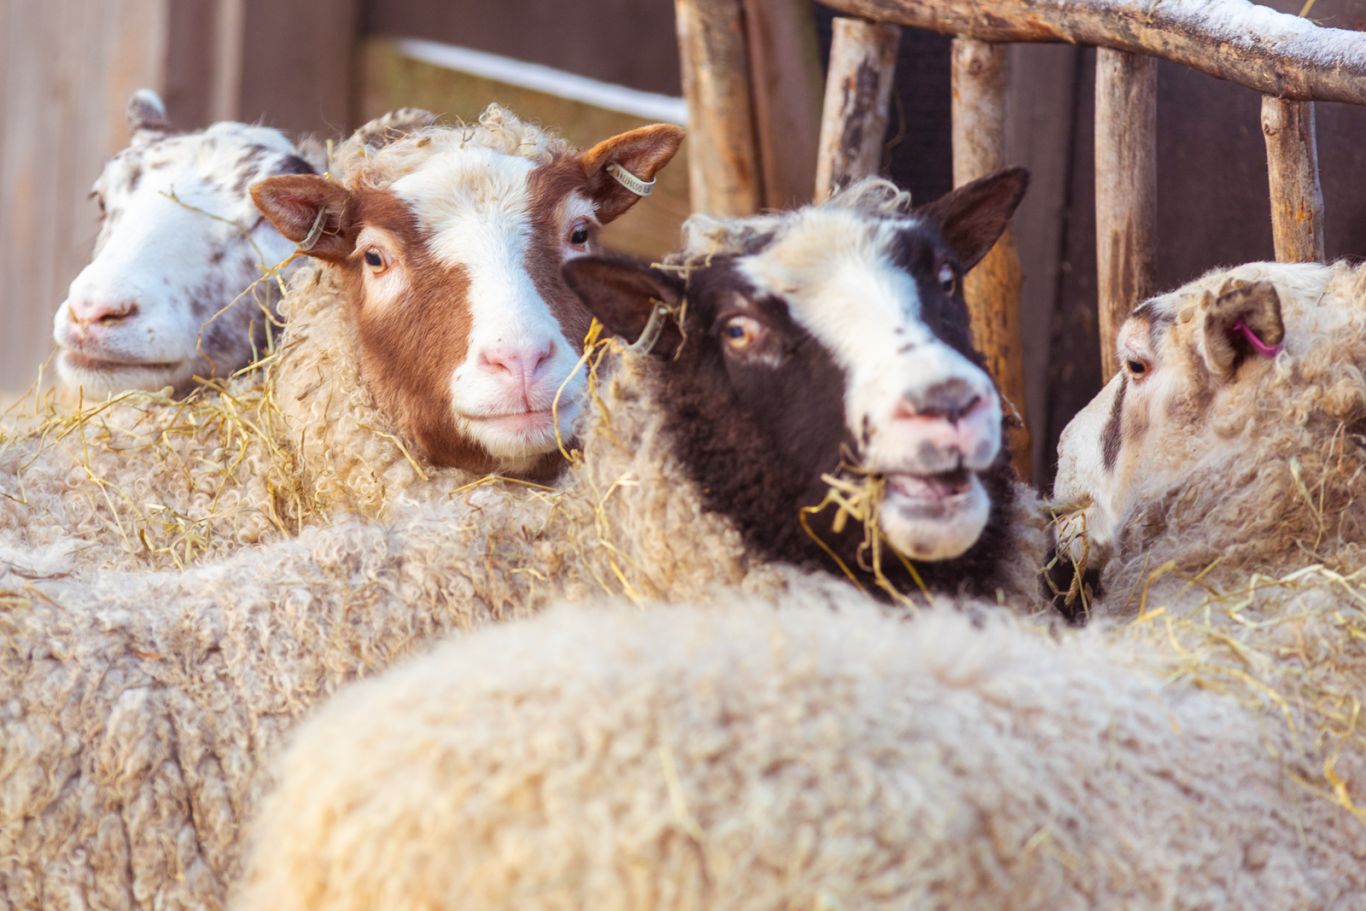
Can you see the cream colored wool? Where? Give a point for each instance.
(137, 709)
(747, 758)
(147, 482)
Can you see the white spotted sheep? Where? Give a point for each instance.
(179, 284)
(193, 678)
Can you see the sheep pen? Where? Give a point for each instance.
(1198, 744)
(191, 677)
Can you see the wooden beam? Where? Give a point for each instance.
(723, 159)
(1290, 58)
(858, 89)
(785, 71)
(1292, 164)
(1126, 190)
(992, 289)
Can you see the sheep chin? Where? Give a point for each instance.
(933, 517)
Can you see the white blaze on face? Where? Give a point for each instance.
(476, 207)
(180, 240)
(835, 270)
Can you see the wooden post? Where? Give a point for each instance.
(723, 164)
(858, 90)
(1126, 190)
(992, 289)
(785, 70)
(1292, 164)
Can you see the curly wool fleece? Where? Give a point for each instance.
(743, 758)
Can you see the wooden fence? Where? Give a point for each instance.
(1291, 61)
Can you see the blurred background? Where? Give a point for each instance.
(594, 67)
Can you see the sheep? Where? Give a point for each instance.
(207, 668)
(1204, 753)
(163, 300)
(357, 404)
(749, 758)
(1233, 440)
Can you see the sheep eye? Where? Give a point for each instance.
(578, 234)
(1137, 368)
(948, 279)
(741, 332)
(374, 259)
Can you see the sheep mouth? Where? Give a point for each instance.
(516, 421)
(935, 495)
(82, 361)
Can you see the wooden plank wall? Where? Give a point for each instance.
(66, 69)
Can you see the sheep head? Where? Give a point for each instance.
(831, 338)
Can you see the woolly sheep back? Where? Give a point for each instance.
(747, 758)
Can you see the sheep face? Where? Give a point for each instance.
(1191, 363)
(835, 335)
(179, 242)
(466, 328)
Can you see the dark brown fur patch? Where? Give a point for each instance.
(1112, 437)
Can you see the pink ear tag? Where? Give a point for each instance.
(1260, 346)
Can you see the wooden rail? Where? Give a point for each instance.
(723, 154)
(1274, 53)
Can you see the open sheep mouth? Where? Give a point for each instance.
(930, 495)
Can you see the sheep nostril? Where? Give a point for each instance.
(954, 415)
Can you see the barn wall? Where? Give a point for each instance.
(66, 69)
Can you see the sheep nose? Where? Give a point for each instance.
(948, 400)
(89, 311)
(520, 363)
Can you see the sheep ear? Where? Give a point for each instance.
(974, 216)
(312, 211)
(147, 118)
(623, 294)
(1243, 321)
(621, 170)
